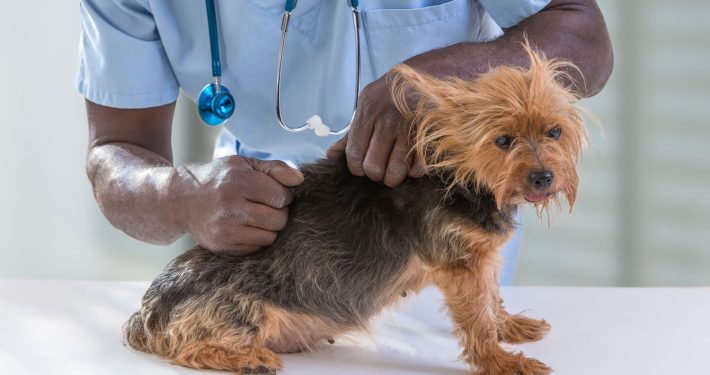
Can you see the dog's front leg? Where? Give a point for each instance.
(471, 294)
(517, 328)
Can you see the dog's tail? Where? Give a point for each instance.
(134, 333)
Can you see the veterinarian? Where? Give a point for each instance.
(135, 55)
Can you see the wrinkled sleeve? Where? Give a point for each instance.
(122, 62)
(508, 13)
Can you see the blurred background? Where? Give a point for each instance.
(642, 216)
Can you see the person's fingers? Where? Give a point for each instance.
(398, 163)
(257, 236)
(265, 217)
(239, 250)
(259, 187)
(418, 167)
(337, 149)
(358, 141)
(278, 170)
(248, 240)
(378, 153)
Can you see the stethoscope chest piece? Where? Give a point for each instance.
(215, 105)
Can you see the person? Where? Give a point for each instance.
(135, 55)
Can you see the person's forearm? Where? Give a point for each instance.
(131, 186)
(572, 30)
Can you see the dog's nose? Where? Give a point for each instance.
(541, 180)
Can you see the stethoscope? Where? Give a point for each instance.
(216, 104)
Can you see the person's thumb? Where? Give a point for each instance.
(337, 149)
(279, 171)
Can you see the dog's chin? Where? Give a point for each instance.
(525, 197)
(536, 198)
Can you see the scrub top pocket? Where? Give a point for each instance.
(304, 18)
(394, 35)
(268, 6)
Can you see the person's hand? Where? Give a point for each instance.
(234, 205)
(378, 142)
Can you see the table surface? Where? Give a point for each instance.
(73, 327)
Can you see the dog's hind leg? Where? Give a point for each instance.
(218, 356)
(217, 331)
(193, 344)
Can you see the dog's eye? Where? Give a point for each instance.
(504, 142)
(554, 133)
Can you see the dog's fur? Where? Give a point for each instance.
(352, 246)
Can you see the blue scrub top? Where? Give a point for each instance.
(139, 53)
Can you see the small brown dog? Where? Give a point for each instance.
(510, 137)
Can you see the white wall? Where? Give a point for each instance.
(642, 213)
(641, 217)
(50, 226)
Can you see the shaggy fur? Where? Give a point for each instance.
(352, 246)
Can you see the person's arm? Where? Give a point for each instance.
(377, 145)
(572, 30)
(232, 204)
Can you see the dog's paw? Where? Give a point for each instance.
(260, 370)
(513, 364)
(517, 329)
(259, 361)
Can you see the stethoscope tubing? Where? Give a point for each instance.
(214, 38)
(284, 32)
(215, 103)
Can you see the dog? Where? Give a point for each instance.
(352, 247)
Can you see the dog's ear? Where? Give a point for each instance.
(416, 92)
(429, 104)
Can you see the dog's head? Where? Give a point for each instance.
(514, 131)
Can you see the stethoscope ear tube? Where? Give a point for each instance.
(284, 31)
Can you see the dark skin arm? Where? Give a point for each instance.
(233, 204)
(377, 144)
